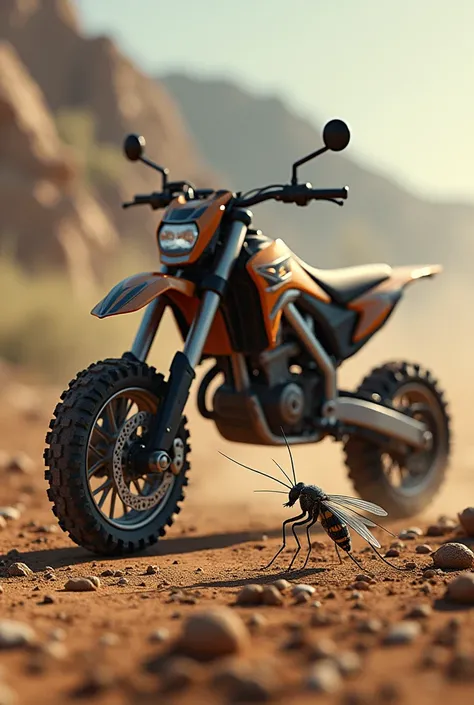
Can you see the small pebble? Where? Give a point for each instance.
(348, 662)
(361, 585)
(109, 639)
(107, 573)
(152, 570)
(322, 649)
(409, 565)
(302, 598)
(178, 674)
(271, 596)
(282, 585)
(10, 513)
(430, 573)
(250, 595)
(212, 634)
(408, 535)
(119, 574)
(392, 553)
(423, 548)
(15, 634)
(397, 544)
(94, 580)
(364, 578)
(256, 621)
(461, 589)
(19, 570)
(466, 519)
(454, 556)
(402, 633)
(122, 581)
(47, 600)
(370, 626)
(79, 585)
(308, 589)
(159, 636)
(324, 677)
(422, 611)
(436, 530)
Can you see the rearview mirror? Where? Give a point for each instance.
(133, 147)
(336, 135)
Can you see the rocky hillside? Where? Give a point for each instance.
(61, 205)
(256, 139)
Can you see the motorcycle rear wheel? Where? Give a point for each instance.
(404, 485)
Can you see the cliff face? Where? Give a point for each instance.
(54, 205)
(48, 216)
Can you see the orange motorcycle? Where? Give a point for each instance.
(277, 330)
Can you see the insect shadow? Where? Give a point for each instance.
(336, 513)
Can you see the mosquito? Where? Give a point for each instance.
(336, 513)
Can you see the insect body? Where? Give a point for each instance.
(336, 513)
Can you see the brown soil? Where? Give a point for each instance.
(218, 544)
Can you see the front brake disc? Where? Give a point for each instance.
(136, 501)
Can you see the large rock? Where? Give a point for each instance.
(47, 211)
(53, 224)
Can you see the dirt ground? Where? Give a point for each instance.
(95, 646)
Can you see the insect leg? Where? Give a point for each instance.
(353, 558)
(385, 560)
(338, 554)
(297, 523)
(308, 528)
(287, 521)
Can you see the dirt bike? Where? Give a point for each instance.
(277, 330)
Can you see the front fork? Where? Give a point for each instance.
(182, 371)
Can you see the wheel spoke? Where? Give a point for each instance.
(93, 449)
(103, 434)
(125, 508)
(111, 417)
(105, 494)
(102, 487)
(137, 486)
(112, 503)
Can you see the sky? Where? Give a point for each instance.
(400, 73)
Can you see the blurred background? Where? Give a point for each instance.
(229, 96)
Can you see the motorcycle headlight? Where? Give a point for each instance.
(178, 239)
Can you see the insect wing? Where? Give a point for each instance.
(352, 521)
(360, 503)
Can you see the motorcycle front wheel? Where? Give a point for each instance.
(100, 499)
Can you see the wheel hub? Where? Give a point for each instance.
(125, 439)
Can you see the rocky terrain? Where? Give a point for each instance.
(197, 620)
(63, 116)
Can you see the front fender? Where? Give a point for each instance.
(137, 291)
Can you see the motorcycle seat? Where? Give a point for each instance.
(346, 284)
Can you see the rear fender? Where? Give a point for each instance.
(375, 306)
(137, 291)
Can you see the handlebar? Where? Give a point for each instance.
(300, 194)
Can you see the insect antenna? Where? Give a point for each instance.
(392, 565)
(270, 477)
(279, 466)
(274, 491)
(291, 456)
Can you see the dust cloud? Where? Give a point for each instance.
(428, 327)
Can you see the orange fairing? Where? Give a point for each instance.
(137, 291)
(275, 272)
(209, 214)
(375, 305)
